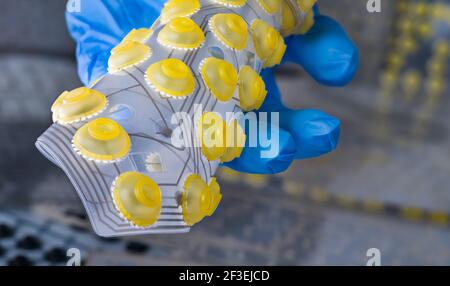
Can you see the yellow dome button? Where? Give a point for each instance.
(212, 131)
(138, 35)
(78, 105)
(104, 129)
(307, 24)
(171, 78)
(235, 141)
(128, 54)
(181, 33)
(179, 8)
(288, 19)
(252, 90)
(230, 29)
(102, 140)
(271, 7)
(199, 199)
(306, 5)
(138, 198)
(231, 3)
(442, 49)
(269, 44)
(220, 77)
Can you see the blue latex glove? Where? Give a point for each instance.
(325, 52)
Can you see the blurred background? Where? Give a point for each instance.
(387, 186)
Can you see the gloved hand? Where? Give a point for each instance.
(325, 52)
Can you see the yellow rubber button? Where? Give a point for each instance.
(220, 77)
(252, 90)
(231, 3)
(104, 129)
(102, 140)
(212, 133)
(171, 78)
(269, 44)
(138, 198)
(307, 24)
(128, 54)
(138, 35)
(181, 33)
(271, 7)
(442, 48)
(78, 105)
(288, 19)
(179, 8)
(199, 199)
(235, 141)
(230, 29)
(306, 5)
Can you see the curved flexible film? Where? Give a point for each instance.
(201, 59)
